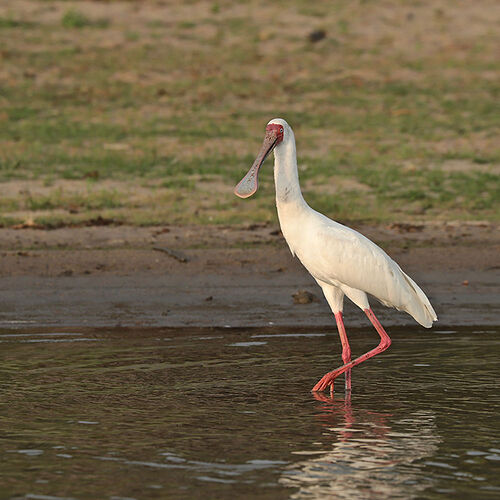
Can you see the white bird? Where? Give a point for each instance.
(341, 260)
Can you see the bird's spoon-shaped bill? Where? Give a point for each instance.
(249, 184)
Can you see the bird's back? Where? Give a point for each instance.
(336, 254)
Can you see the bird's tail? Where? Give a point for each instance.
(420, 308)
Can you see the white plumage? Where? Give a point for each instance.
(343, 261)
(337, 256)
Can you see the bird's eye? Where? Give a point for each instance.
(281, 130)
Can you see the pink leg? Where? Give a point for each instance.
(346, 349)
(385, 342)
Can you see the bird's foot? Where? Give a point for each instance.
(327, 380)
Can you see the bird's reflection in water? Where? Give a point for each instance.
(372, 455)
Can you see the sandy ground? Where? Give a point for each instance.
(227, 277)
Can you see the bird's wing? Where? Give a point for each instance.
(345, 256)
(350, 258)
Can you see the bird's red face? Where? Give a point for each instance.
(277, 129)
(249, 184)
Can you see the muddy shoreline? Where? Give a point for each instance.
(227, 277)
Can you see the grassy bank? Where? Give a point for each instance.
(149, 113)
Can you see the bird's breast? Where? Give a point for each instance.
(299, 229)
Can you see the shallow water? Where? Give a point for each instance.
(228, 414)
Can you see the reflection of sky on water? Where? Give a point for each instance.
(372, 456)
(215, 415)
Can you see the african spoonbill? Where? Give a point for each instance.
(341, 260)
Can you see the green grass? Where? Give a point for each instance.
(164, 103)
(102, 199)
(74, 18)
(9, 22)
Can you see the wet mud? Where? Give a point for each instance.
(228, 277)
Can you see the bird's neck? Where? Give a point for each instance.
(286, 177)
